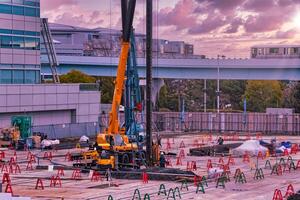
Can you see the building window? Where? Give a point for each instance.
(5, 31)
(18, 10)
(18, 42)
(5, 66)
(38, 76)
(30, 43)
(37, 10)
(6, 76)
(30, 77)
(6, 41)
(260, 51)
(20, 32)
(37, 43)
(17, 32)
(31, 12)
(274, 50)
(18, 76)
(18, 66)
(254, 52)
(294, 50)
(6, 9)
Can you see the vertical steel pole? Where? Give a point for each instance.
(205, 95)
(149, 24)
(218, 87)
(124, 7)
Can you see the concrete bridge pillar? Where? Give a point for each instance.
(157, 84)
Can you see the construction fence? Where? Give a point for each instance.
(226, 122)
(59, 131)
(221, 122)
(188, 122)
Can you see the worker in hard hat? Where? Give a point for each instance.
(162, 160)
(220, 141)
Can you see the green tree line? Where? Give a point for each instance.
(259, 94)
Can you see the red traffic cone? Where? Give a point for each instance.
(277, 195)
(209, 164)
(39, 184)
(231, 160)
(5, 178)
(286, 152)
(179, 161)
(182, 145)
(246, 158)
(8, 188)
(290, 191)
(96, 176)
(221, 161)
(145, 177)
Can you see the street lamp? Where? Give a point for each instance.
(218, 83)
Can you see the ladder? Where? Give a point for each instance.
(50, 50)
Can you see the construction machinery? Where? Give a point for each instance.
(18, 133)
(121, 146)
(23, 124)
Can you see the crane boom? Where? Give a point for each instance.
(114, 124)
(119, 84)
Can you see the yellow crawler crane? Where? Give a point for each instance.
(113, 148)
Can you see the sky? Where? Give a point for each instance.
(214, 27)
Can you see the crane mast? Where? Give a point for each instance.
(133, 99)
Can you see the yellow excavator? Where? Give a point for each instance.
(113, 148)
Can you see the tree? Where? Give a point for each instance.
(232, 92)
(263, 94)
(76, 76)
(107, 89)
(107, 83)
(292, 96)
(167, 100)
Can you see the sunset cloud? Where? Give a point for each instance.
(214, 26)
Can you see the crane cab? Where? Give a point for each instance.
(115, 142)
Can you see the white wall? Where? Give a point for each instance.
(49, 103)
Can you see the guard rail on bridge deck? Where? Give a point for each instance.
(231, 69)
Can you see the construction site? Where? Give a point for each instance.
(189, 173)
(132, 152)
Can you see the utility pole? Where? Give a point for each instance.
(218, 83)
(149, 26)
(205, 96)
(218, 86)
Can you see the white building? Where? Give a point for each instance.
(21, 92)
